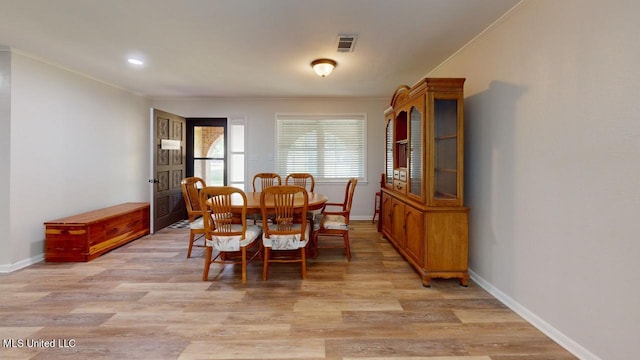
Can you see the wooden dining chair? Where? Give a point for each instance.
(190, 188)
(234, 241)
(283, 235)
(304, 180)
(335, 222)
(262, 181)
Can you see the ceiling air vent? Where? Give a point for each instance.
(346, 42)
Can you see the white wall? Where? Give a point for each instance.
(76, 145)
(260, 147)
(553, 163)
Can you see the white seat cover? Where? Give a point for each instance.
(197, 224)
(233, 243)
(286, 242)
(333, 222)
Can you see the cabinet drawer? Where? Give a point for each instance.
(400, 186)
(400, 174)
(403, 175)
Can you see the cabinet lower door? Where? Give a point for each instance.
(447, 246)
(399, 226)
(414, 233)
(387, 214)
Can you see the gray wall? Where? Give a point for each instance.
(552, 168)
(5, 159)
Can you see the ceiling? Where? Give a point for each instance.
(246, 48)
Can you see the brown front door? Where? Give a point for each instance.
(169, 133)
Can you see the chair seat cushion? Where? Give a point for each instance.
(234, 243)
(286, 242)
(332, 222)
(197, 224)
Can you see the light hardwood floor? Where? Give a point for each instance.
(145, 300)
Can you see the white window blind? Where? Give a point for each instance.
(331, 147)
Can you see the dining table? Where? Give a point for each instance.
(316, 201)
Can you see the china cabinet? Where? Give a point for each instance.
(423, 212)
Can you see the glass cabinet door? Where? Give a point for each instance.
(446, 149)
(415, 155)
(389, 152)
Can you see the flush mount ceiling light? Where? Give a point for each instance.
(323, 67)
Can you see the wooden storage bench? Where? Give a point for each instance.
(84, 237)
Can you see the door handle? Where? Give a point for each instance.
(154, 181)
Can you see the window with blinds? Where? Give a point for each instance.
(330, 147)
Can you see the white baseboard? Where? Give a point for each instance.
(361, 217)
(7, 268)
(556, 335)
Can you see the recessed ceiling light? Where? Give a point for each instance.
(135, 61)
